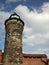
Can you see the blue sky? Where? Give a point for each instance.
(35, 14)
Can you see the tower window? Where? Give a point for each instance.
(14, 16)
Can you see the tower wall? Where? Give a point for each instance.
(13, 43)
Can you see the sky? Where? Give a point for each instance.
(35, 14)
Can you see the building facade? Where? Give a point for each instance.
(30, 59)
(35, 59)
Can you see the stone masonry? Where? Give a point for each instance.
(13, 41)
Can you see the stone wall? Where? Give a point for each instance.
(35, 62)
(13, 43)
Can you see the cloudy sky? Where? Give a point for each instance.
(35, 14)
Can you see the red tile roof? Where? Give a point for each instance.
(35, 55)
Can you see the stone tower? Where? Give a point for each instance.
(13, 41)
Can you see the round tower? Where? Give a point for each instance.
(13, 40)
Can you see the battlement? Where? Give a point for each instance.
(15, 17)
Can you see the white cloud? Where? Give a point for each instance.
(36, 30)
(43, 50)
(35, 23)
(3, 17)
(45, 7)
